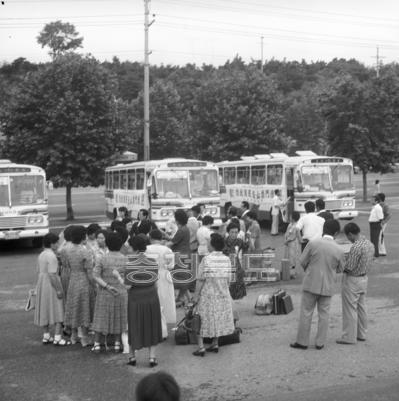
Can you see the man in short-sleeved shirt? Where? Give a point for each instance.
(253, 231)
(310, 224)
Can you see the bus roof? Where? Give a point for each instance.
(7, 167)
(301, 157)
(176, 162)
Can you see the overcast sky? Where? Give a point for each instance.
(209, 31)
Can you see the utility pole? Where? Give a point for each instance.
(261, 53)
(146, 83)
(378, 62)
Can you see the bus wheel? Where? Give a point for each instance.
(37, 242)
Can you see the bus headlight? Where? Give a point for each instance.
(213, 211)
(35, 219)
(347, 203)
(167, 212)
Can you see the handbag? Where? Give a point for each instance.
(31, 301)
(264, 305)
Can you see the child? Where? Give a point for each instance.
(292, 239)
(49, 308)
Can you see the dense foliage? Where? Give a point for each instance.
(72, 114)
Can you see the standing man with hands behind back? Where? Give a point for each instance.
(321, 259)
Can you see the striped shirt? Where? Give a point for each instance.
(360, 257)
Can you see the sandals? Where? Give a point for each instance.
(61, 342)
(47, 340)
(199, 352)
(96, 348)
(213, 348)
(153, 362)
(132, 361)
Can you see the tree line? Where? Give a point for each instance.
(71, 115)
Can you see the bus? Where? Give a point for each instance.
(162, 187)
(23, 202)
(300, 178)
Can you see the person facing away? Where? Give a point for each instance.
(310, 224)
(193, 225)
(253, 231)
(159, 386)
(354, 286)
(375, 218)
(321, 260)
(321, 210)
(292, 240)
(387, 216)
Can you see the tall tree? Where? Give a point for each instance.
(60, 37)
(63, 118)
(237, 113)
(363, 121)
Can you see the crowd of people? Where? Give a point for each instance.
(82, 290)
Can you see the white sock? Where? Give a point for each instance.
(46, 336)
(57, 337)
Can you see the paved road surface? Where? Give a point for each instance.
(261, 367)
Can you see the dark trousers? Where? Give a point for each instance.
(375, 229)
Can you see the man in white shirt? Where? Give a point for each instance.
(276, 208)
(375, 219)
(193, 225)
(310, 224)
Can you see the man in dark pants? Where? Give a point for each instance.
(375, 219)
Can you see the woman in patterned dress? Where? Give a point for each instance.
(213, 297)
(65, 269)
(110, 316)
(235, 246)
(77, 308)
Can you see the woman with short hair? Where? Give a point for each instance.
(144, 311)
(77, 309)
(49, 310)
(110, 315)
(214, 303)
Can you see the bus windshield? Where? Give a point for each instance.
(26, 190)
(341, 178)
(203, 183)
(315, 178)
(172, 184)
(4, 194)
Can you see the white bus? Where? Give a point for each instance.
(23, 202)
(304, 177)
(162, 186)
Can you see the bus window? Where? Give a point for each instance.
(140, 178)
(341, 178)
(243, 175)
(274, 174)
(115, 179)
(4, 197)
(123, 178)
(229, 175)
(26, 190)
(203, 182)
(258, 175)
(131, 179)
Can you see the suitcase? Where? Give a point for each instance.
(263, 305)
(287, 304)
(277, 300)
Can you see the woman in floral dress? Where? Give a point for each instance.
(213, 297)
(110, 316)
(77, 308)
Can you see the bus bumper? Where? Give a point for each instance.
(345, 214)
(21, 234)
